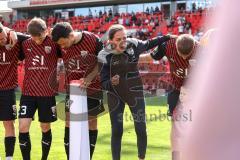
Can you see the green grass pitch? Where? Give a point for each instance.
(158, 136)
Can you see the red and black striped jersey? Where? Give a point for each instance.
(179, 67)
(40, 68)
(80, 60)
(8, 67)
(9, 63)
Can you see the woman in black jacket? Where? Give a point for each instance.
(120, 77)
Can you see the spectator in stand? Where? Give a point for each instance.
(172, 22)
(168, 22)
(147, 10)
(117, 14)
(180, 29)
(90, 13)
(194, 7)
(156, 21)
(134, 18)
(105, 13)
(179, 20)
(127, 21)
(139, 22)
(146, 22)
(100, 13)
(188, 27)
(110, 13)
(107, 19)
(200, 10)
(152, 23)
(157, 10)
(120, 20)
(152, 10)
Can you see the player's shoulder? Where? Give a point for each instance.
(27, 41)
(89, 34)
(170, 44)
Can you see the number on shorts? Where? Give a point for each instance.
(23, 110)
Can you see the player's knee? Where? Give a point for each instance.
(23, 127)
(92, 124)
(67, 124)
(9, 128)
(45, 127)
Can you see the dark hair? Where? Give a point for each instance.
(113, 29)
(185, 44)
(1, 27)
(61, 30)
(36, 27)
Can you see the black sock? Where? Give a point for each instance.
(66, 141)
(92, 140)
(46, 144)
(9, 146)
(25, 145)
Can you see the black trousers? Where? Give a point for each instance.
(116, 108)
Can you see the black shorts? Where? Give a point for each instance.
(46, 107)
(95, 104)
(8, 109)
(172, 100)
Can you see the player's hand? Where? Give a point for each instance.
(13, 38)
(115, 80)
(84, 82)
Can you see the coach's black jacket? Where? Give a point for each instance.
(125, 65)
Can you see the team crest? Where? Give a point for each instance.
(84, 53)
(48, 49)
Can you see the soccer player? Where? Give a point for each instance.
(120, 76)
(9, 55)
(39, 86)
(180, 50)
(80, 50)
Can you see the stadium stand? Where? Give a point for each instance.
(145, 25)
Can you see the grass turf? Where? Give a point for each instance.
(158, 128)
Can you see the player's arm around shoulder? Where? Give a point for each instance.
(21, 40)
(157, 54)
(142, 46)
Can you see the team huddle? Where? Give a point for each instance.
(112, 67)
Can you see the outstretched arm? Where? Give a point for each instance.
(157, 54)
